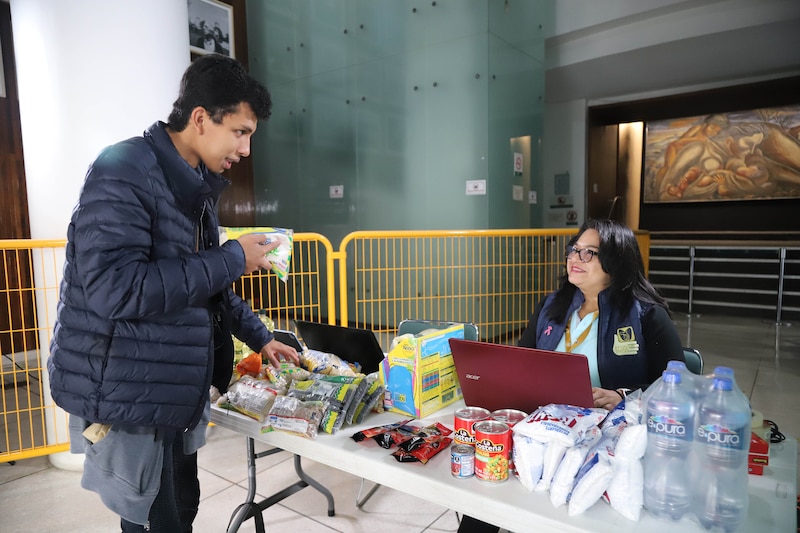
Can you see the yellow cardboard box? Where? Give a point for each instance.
(419, 374)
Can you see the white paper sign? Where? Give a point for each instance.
(336, 191)
(532, 199)
(476, 187)
(519, 164)
(517, 194)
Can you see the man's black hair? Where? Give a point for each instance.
(219, 84)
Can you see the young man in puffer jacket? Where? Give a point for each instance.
(146, 309)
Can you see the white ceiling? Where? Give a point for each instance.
(715, 57)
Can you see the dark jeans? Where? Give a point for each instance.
(178, 498)
(473, 525)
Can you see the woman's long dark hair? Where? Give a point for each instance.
(621, 259)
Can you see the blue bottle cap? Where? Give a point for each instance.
(670, 376)
(723, 371)
(675, 365)
(723, 383)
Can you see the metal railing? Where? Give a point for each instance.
(759, 278)
(492, 278)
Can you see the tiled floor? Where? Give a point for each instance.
(37, 497)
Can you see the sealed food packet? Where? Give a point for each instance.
(424, 443)
(295, 416)
(250, 396)
(280, 257)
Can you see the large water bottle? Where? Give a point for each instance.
(692, 383)
(721, 444)
(670, 423)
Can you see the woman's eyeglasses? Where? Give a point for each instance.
(585, 254)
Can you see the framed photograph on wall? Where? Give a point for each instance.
(744, 155)
(211, 27)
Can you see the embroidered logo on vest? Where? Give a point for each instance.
(625, 342)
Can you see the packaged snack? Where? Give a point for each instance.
(280, 257)
(423, 444)
(336, 398)
(250, 396)
(360, 385)
(380, 434)
(327, 363)
(373, 398)
(295, 416)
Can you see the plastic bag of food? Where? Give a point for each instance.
(336, 398)
(327, 363)
(373, 399)
(280, 257)
(296, 416)
(360, 385)
(283, 376)
(250, 396)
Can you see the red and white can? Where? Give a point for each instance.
(509, 417)
(465, 419)
(492, 445)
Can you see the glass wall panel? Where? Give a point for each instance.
(400, 105)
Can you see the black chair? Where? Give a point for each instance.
(694, 361)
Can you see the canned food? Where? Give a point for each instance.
(509, 417)
(492, 444)
(464, 423)
(462, 460)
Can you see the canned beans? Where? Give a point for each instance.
(464, 423)
(492, 445)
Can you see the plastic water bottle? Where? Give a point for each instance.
(721, 444)
(692, 383)
(670, 423)
(721, 372)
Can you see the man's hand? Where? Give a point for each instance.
(256, 250)
(273, 351)
(605, 398)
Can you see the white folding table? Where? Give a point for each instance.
(507, 504)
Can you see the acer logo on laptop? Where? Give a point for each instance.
(472, 376)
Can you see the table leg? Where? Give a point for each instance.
(360, 502)
(298, 468)
(252, 509)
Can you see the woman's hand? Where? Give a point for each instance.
(605, 398)
(273, 351)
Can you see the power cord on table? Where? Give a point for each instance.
(775, 435)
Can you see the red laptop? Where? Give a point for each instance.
(498, 376)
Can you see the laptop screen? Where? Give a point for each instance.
(352, 344)
(498, 376)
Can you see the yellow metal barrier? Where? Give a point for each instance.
(492, 278)
(32, 424)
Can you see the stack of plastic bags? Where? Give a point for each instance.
(583, 455)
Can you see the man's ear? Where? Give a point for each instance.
(198, 119)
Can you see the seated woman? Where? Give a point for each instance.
(607, 310)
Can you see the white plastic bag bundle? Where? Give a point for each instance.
(528, 460)
(565, 424)
(625, 493)
(564, 477)
(553, 455)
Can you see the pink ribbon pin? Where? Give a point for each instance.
(548, 330)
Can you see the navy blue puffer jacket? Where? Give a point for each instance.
(145, 286)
